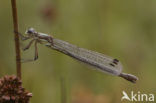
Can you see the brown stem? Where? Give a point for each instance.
(129, 77)
(16, 37)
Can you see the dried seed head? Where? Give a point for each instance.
(11, 90)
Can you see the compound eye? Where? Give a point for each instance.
(30, 31)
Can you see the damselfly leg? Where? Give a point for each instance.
(23, 38)
(28, 46)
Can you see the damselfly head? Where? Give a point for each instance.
(30, 31)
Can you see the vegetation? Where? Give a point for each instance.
(121, 29)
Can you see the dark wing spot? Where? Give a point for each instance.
(111, 64)
(115, 61)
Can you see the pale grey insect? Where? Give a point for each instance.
(102, 62)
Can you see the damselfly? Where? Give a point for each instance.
(100, 61)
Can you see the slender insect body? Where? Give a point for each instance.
(102, 62)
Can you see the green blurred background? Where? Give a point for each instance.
(122, 29)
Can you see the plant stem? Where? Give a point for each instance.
(16, 37)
